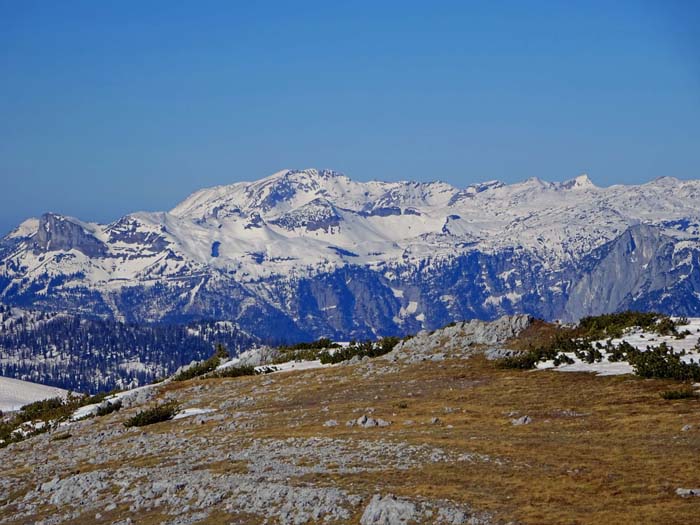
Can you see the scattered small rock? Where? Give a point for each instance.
(523, 420)
(687, 493)
(367, 422)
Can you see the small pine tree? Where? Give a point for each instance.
(221, 352)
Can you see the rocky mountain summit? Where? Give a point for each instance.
(308, 253)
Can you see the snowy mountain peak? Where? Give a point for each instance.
(27, 228)
(275, 194)
(581, 182)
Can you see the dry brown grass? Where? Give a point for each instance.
(600, 449)
(619, 461)
(539, 333)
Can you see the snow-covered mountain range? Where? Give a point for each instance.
(305, 253)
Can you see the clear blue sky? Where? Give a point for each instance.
(111, 107)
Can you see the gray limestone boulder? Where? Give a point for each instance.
(388, 510)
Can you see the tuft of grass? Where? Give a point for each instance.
(156, 414)
(680, 393)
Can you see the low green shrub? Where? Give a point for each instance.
(44, 410)
(554, 351)
(614, 325)
(49, 411)
(663, 363)
(309, 351)
(658, 362)
(523, 361)
(93, 400)
(589, 355)
(234, 371)
(107, 408)
(321, 344)
(204, 367)
(366, 349)
(563, 359)
(156, 414)
(307, 354)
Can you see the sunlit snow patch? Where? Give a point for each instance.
(193, 412)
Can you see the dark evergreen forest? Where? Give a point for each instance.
(95, 355)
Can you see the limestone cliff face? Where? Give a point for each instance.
(57, 233)
(635, 270)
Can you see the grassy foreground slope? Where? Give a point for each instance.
(597, 449)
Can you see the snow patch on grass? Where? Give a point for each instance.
(640, 339)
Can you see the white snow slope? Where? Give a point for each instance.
(15, 393)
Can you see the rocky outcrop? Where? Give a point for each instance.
(129, 230)
(388, 510)
(522, 420)
(318, 214)
(391, 510)
(459, 339)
